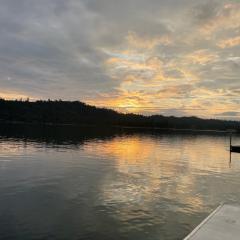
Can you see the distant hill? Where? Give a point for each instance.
(79, 113)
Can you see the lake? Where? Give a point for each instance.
(87, 183)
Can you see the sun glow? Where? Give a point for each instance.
(14, 95)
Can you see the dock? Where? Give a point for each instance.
(221, 224)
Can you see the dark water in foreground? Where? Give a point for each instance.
(85, 184)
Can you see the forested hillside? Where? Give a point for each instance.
(65, 112)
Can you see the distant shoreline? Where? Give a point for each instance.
(67, 113)
(114, 127)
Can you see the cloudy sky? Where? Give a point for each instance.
(174, 57)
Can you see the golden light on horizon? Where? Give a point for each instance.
(14, 95)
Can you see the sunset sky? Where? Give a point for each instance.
(171, 57)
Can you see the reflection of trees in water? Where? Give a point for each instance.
(54, 135)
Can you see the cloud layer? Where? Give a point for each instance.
(170, 57)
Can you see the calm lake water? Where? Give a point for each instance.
(66, 183)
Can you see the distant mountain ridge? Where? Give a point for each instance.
(79, 113)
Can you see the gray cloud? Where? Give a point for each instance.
(50, 45)
(57, 49)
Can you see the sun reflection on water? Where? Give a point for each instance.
(164, 168)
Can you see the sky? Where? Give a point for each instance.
(170, 57)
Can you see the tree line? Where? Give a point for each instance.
(79, 113)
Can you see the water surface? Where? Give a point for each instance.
(67, 183)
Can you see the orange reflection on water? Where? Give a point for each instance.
(168, 166)
(147, 152)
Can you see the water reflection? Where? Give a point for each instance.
(150, 168)
(68, 183)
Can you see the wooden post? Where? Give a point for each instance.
(230, 141)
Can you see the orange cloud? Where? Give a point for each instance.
(123, 101)
(152, 82)
(147, 43)
(202, 102)
(227, 18)
(129, 66)
(228, 43)
(201, 57)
